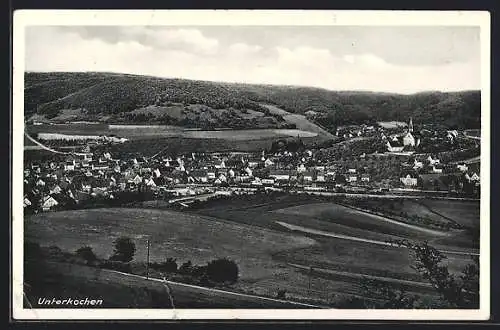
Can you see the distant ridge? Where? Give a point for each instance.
(130, 98)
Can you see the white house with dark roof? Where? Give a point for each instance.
(408, 181)
(48, 203)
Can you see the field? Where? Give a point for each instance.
(300, 121)
(154, 138)
(256, 233)
(150, 131)
(392, 124)
(465, 213)
(127, 291)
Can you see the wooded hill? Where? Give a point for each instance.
(131, 98)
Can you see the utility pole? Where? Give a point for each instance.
(310, 273)
(147, 263)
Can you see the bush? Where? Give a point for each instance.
(168, 266)
(223, 270)
(124, 250)
(86, 253)
(281, 294)
(186, 268)
(116, 265)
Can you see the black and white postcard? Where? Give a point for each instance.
(307, 165)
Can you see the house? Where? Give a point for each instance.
(222, 177)
(435, 169)
(257, 182)
(26, 202)
(136, 180)
(69, 165)
(107, 156)
(408, 181)
(253, 163)
(365, 177)
(40, 183)
(267, 182)
(280, 175)
(200, 175)
(211, 174)
(99, 166)
(268, 162)
(150, 182)
(55, 190)
(308, 176)
(301, 168)
(320, 177)
(417, 164)
(463, 167)
(351, 177)
(48, 203)
(474, 177)
(86, 187)
(248, 171)
(221, 165)
(394, 146)
(99, 191)
(432, 161)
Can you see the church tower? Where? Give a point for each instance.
(410, 126)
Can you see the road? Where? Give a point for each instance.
(466, 134)
(44, 147)
(358, 239)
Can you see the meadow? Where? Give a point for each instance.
(151, 131)
(271, 256)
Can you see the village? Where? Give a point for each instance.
(79, 179)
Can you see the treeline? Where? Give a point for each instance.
(457, 110)
(220, 271)
(206, 119)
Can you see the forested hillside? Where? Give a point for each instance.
(131, 98)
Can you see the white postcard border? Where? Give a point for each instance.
(23, 18)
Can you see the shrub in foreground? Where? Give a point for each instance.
(223, 270)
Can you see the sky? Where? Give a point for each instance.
(370, 58)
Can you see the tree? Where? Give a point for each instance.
(458, 292)
(223, 270)
(186, 267)
(124, 249)
(86, 253)
(391, 296)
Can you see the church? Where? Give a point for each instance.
(406, 139)
(409, 138)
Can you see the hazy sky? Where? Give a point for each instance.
(390, 59)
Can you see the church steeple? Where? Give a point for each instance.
(410, 125)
